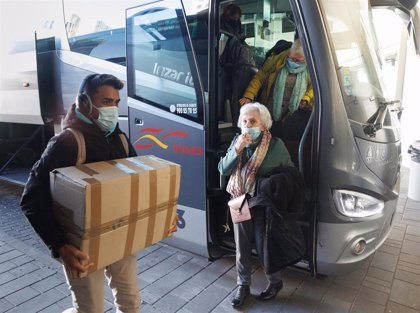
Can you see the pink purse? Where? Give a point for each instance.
(239, 209)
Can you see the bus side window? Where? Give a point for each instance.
(161, 68)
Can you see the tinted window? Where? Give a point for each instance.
(359, 60)
(161, 66)
(197, 19)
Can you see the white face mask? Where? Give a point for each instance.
(107, 119)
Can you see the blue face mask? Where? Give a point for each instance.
(254, 132)
(294, 65)
(108, 118)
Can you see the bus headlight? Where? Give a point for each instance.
(356, 204)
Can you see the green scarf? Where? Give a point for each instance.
(298, 92)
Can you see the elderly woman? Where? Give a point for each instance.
(287, 91)
(252, 154)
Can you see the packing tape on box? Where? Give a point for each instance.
(134, 204)
(129, 166)
(153, 201)
(132, 168)
(140, 164)
(89, 233)
(172, 175)
(153, 181)
(95, 217)
(87, 170)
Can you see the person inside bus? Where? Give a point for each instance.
(265, 32)
(236, 63)
(286, 91)
(252, 154)
(95, 116)
(230, 20)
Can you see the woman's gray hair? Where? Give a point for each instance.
(262, 110)
(297, 47)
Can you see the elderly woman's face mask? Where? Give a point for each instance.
(251, 124)
(254, 132)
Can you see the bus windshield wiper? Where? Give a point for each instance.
(370, 128)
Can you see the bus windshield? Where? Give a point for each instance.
(358, 59)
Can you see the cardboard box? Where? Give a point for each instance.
(112, 209)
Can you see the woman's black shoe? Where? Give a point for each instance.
(271, 291)
(241, 293)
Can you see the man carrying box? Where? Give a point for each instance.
(95, 116)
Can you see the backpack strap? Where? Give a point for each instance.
(81, 146)
(124, 143)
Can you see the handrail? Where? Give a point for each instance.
(302, 141)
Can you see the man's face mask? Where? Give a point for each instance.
(107, 119)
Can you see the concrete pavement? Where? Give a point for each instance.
(173, 280)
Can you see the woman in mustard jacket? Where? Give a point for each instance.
(287, 91)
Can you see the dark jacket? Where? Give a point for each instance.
(237, 68)
(61, 151)
(281, 194)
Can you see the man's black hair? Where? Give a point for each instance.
(99, 80)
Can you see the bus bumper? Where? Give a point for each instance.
(336, 241)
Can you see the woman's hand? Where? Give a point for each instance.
(305, 105)
(72, 258)
(243, 101)
(242, 141)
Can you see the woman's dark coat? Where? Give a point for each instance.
(281, 194)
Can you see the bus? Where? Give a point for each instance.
(168, 54)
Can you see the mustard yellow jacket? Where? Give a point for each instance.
(266, 77)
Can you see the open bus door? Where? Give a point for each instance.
(352, 168)
(166, 106)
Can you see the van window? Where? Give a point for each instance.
(96, 32)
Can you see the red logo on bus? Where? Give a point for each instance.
(154, 135)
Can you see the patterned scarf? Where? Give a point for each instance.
(248, 172)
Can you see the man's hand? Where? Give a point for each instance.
(72, 258)
(242, 141)
(243, 101)
(173, 227)
(305, 105)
